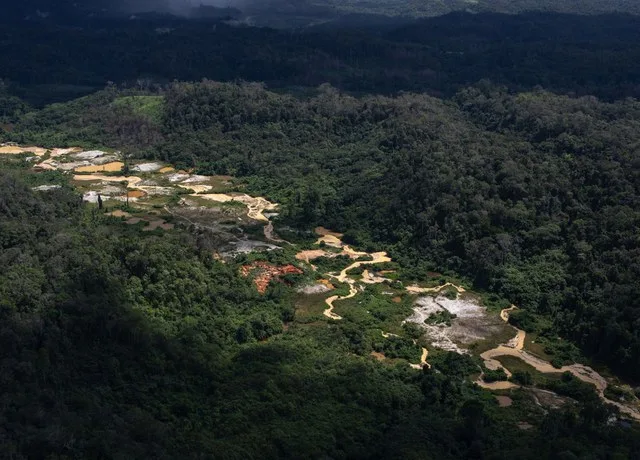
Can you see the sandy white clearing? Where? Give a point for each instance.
(148, 167)
(197, 188)
(90, 155)
(47, 188)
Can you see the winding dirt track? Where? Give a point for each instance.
(515, 348)
(378, 258)
(423, 360)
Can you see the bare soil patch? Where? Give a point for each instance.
(321, 231)
(470, 324)
(136, 194)
(264, 272)
(379, 356)
(118, 213)
(15, 150)
(158, 223)
(114, 166)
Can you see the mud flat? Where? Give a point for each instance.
(471, 323)
(114, 166)
(309, 255)
(15, 150)
(197, 188)
(317, 288)
(148, 167)
(89, 155)
(247, 246)
(132, 181)
(256, 205)
(65, 151)
(370, 278)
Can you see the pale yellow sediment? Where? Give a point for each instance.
(114, 166)
(256, 205)
(132, 181)
(515, 348)
(196, 188)
(424, 290)
(16, 150)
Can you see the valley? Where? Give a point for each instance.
(451, 317)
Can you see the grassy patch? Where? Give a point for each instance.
(515, 365)
(493, 302)
(309, 307)
(150, 107)
(505, 334)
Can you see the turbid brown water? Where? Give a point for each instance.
(515, 347)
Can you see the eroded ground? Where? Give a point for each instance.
(159, 196)
(158, 192)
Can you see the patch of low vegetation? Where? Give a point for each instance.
(332, 264)
(491, 375)
(544, 340)
(620, 393)
(523, 373)
(569, 385)
(150, 107)
(441, 317)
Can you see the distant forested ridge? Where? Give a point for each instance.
(597, 55)
(286, 14)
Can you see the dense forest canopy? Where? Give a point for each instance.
(597, 55)
(463, 145)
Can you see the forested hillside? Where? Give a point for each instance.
(121, 344)
(533, 196)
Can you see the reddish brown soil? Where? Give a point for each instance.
(264, 272)
(327, 283)
(136, 194)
